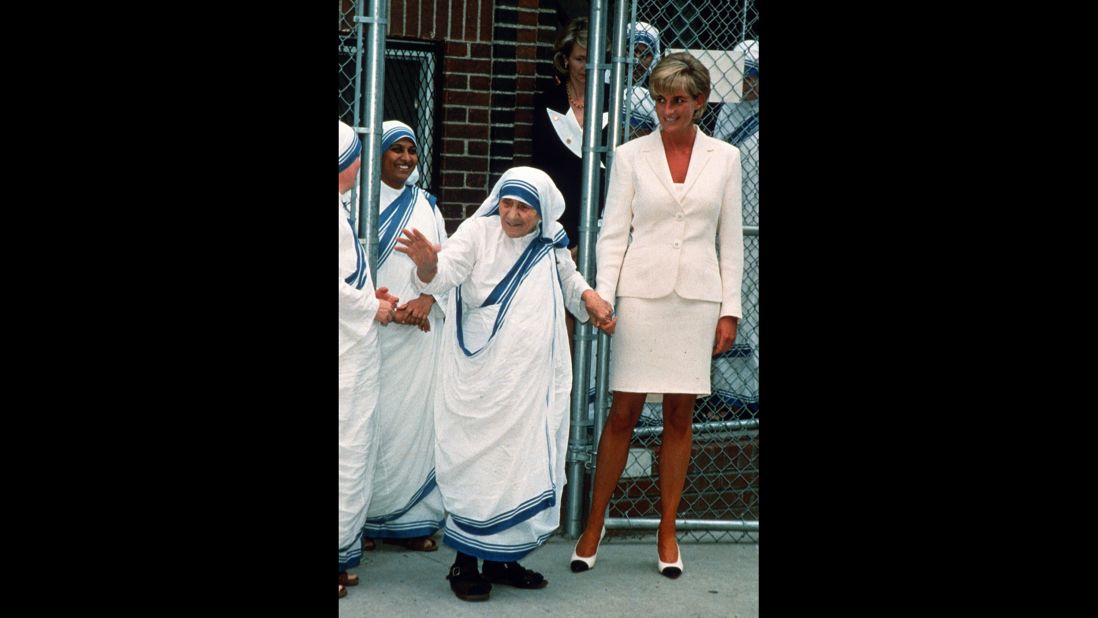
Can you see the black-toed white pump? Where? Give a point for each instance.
(579, 563)
(668, 569)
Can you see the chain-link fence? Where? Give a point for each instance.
(412, 84)
(722, 484)
(348, 62)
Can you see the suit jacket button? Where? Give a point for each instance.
(676, 244)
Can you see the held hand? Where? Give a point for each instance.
(383, 294)
(385, 312)
(608, 326)
(404, 316)
(422, 251)
(725, 336)
(416, 311)
(599, 310)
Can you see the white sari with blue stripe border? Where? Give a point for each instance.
(406, 502)
(358, 392)
(503, 387)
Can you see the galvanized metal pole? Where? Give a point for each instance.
(621, 62)
(652, 523)
(579, 450)
(374, 91)
(356, 109)
(743, 30)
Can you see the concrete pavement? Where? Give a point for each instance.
(717, 580)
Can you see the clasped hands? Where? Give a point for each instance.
(602, 314)
(386, 306)
(414, 312)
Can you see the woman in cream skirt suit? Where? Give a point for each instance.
(670, 260)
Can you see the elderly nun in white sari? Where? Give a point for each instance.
(406, 506)
(359, 307)
(501, 407)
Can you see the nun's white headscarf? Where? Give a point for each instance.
(391, 132)
(534, 187)
(349, 146)
(650, 36)
(745, 55)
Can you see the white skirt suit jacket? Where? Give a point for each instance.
(656, 240)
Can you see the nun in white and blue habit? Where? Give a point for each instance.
(642, 109)
(736, 372)
(738, 119)
(406, 505)
(504, 382)
(358, 378)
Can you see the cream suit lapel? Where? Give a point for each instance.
(699, 157)
(657, 160)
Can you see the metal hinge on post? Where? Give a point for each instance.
(366, 19)
(584, 454)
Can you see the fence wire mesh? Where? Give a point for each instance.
(348, 67)
(411, 78)
(722, 483)
(411, 84)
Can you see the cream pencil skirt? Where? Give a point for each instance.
(663, 345)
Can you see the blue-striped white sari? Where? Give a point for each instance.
(501, 410)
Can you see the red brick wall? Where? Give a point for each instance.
(494, 49)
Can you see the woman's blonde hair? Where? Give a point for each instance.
(575, 32)
(680, 71)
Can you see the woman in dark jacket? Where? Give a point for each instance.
(559, 114)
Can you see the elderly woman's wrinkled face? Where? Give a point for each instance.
(517, 218)
(347, 176)
(398, 162)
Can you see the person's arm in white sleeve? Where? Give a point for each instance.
(436, 271)
(614, 235)
(579, 298)
(730, 238)
(440, 227)
(357, 305)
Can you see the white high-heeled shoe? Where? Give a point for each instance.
(668, 569)
(580, 564)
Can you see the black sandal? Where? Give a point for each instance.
(468, 585)
(513, 574)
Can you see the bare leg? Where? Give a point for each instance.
(678, 412)
(613, 451)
